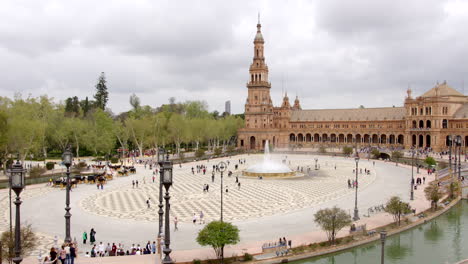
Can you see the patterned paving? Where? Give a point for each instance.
(256, 198)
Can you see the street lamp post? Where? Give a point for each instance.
(222, 167)
(17, 184)
(412, 175)
(459, 145)
(383, 236)
(67, 158)
(167, 182)
(161, 173)
(356, 212)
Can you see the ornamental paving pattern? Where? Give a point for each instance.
(255, 198)
(262, 209)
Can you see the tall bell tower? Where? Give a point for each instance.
(259, 107)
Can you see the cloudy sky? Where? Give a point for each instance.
(333, 54)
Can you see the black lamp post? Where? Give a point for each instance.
(222, 167)
(167, 182)
(17, 184)
(356, 212)
(161, 172)
(459, 145)
(412, 175)
(67, 158)
(383, 236)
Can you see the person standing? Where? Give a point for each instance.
(72, 253)
(53, 255)
(85, 237)
(238, 185)
(92, 235)
(133, 184)
(194, 219)
(136, 182)
(201, 217)
(148, 203)
(175, 224)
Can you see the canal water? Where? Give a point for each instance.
(444, 240)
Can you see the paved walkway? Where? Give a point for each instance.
(262, 209)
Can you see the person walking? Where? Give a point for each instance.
(148, 203)
(176, 221)
(201, 217)
(85, 237)
(136, 182)
(72, 253)
(194, 219)
(92, 236)
(133, 184)
(238, 186)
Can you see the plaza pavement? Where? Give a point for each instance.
(264, 210)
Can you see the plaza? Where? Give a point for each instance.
(262, 209)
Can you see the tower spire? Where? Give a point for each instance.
(258, 18)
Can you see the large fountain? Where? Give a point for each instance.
(269, 168)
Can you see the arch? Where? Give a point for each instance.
(260, 77)
(413, 140)
(421, 141)
(421, 123)
(324, 138)
(401, 139)
(375, 139)
(300, 137)
(255, 77)
(316, 137)
(308, 137)
(257, 53)
(358, 138)
(252, 78)
(466, 142)
(428, 124)
(333, 138)
(391, 139)
(444, 123)
(274, 141)
(447, 141)
(349, 138)
(428, 140)
(367, 138)
(252, 142)
(292, 137)
(383, 139)
(414, 124)
(341, 138)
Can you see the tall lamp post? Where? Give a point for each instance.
(161, 173)
(412, 175)
(17, 184)
(459, 145)
(383, 236)
(167, 182)
(67, 158)
(356, 212)
(222, 167)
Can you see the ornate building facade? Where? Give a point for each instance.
(424, 121)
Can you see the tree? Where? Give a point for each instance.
(430, 161)
(375, 153)
(28, 243)
(347, 150)
(85, 106)
(101, 96)
(453, 189)
(397, 208)
(397, 155)
(135, 102)
(332, 220)
(218, 234)
(433, 194)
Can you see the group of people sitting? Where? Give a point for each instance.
(102, 250)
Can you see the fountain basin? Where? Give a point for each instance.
(268, 174)
(268, 168)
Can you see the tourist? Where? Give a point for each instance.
(148, 247)
(53, 255)
(227, 190)
(113, 250)
(93, 251)
(194, 219)
(92, 235)
(85, 237)
(148, 203)
(108, 250)
(133, 183)
(175, 224)
(238, 186)
(136, 183)
(63, 254)
(201, 217)
(153, 247)
(72, 253)
(102, 250)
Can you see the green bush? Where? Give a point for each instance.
(50, 165)
(197, 261)
(347, 150)
(375, 153)
(114, 160)
(199, 153)
(430, 161)
(218, 151)
(36, 172)
(247, 257)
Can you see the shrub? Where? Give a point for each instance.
(50, 165)
(322, 149)
(28, 243)
(199, 153)
(247, 257)
(347, 150)
(36, 172)
(114, 160)
(197, 261)
(375, 153)
(218, 151)
(430, 161)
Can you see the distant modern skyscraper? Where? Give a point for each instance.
(227, 107)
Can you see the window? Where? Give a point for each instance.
(444, 123)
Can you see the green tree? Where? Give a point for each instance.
(453, 189)
(347, 150)
(396, 207)
(433, 194)
(99, 135)
(177, 130)
(28, 243)
(332, 220)
(3, 139)
(102, 95)
(85, 106)
(140, 130)
(218, 234)
(430, 161)
(135, 102)
(397, 155)
(375, 153)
